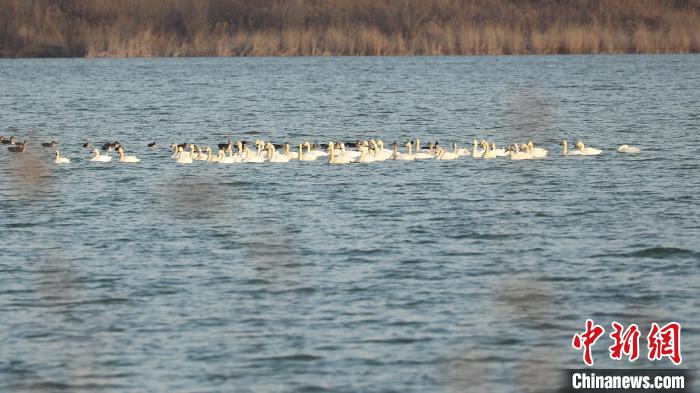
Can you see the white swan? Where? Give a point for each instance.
(183, 157)
(61, 160)
(488, 153)
(516, 154)
(200, 156)
(568, 152)
(96, 157)
(587, 151)
(306, 156)
(365, 157)
(403, 156)
(350, 154)
(218, 157)
(476, 153)
(251, 157)
(354, 153)
(291, 155)
(537, 152)
(446, 155)
(313, 153)
(420, 155)
(498, 152)
(274, 156)
(380, 153)
(337, 159)
(628, 149)
(124, 158)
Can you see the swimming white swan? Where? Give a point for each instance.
(291, 155)
(183, 157)
(337, 159)
(274, 156)
(476, 153)
(446, 155)
(537, 152)
(124, 158)
(61, 160)
(313, 152)
(419, 154)
(97, 157)
(587, 151)
(381, 153)
(498, 152)
(403, 156)
(219, 155)
(200, 156)
(628, 149)
(252, 157)
(568, 152)
(488, 153)
(365, 157)
(306, 156)
(350, 154)
(516, 154)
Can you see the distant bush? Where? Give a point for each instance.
(126, 28)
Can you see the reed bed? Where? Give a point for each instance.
(142, 28)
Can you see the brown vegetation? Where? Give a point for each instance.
(126, 28)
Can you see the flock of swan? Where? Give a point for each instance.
(365, 151)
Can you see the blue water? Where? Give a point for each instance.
(468, 275)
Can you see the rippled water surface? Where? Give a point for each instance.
(427, 276)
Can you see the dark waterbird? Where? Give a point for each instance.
(152, 144)
(10, 141)
(19, 147)
(224, 146)
(51, 144)
(111, 145)
(87, 144)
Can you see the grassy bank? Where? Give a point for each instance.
(130, 28)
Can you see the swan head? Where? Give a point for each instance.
(530, 144)
(180, 149)
(95, 152)
(579, 145)
(493, 145)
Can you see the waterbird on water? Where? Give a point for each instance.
(51, 144)
(97, 157)
(61, 160)
(19, 147)
(587, 151)
(628, 149)
(125, 158)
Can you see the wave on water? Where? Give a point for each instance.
(663, 252)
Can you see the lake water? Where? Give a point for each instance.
(468, 275)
